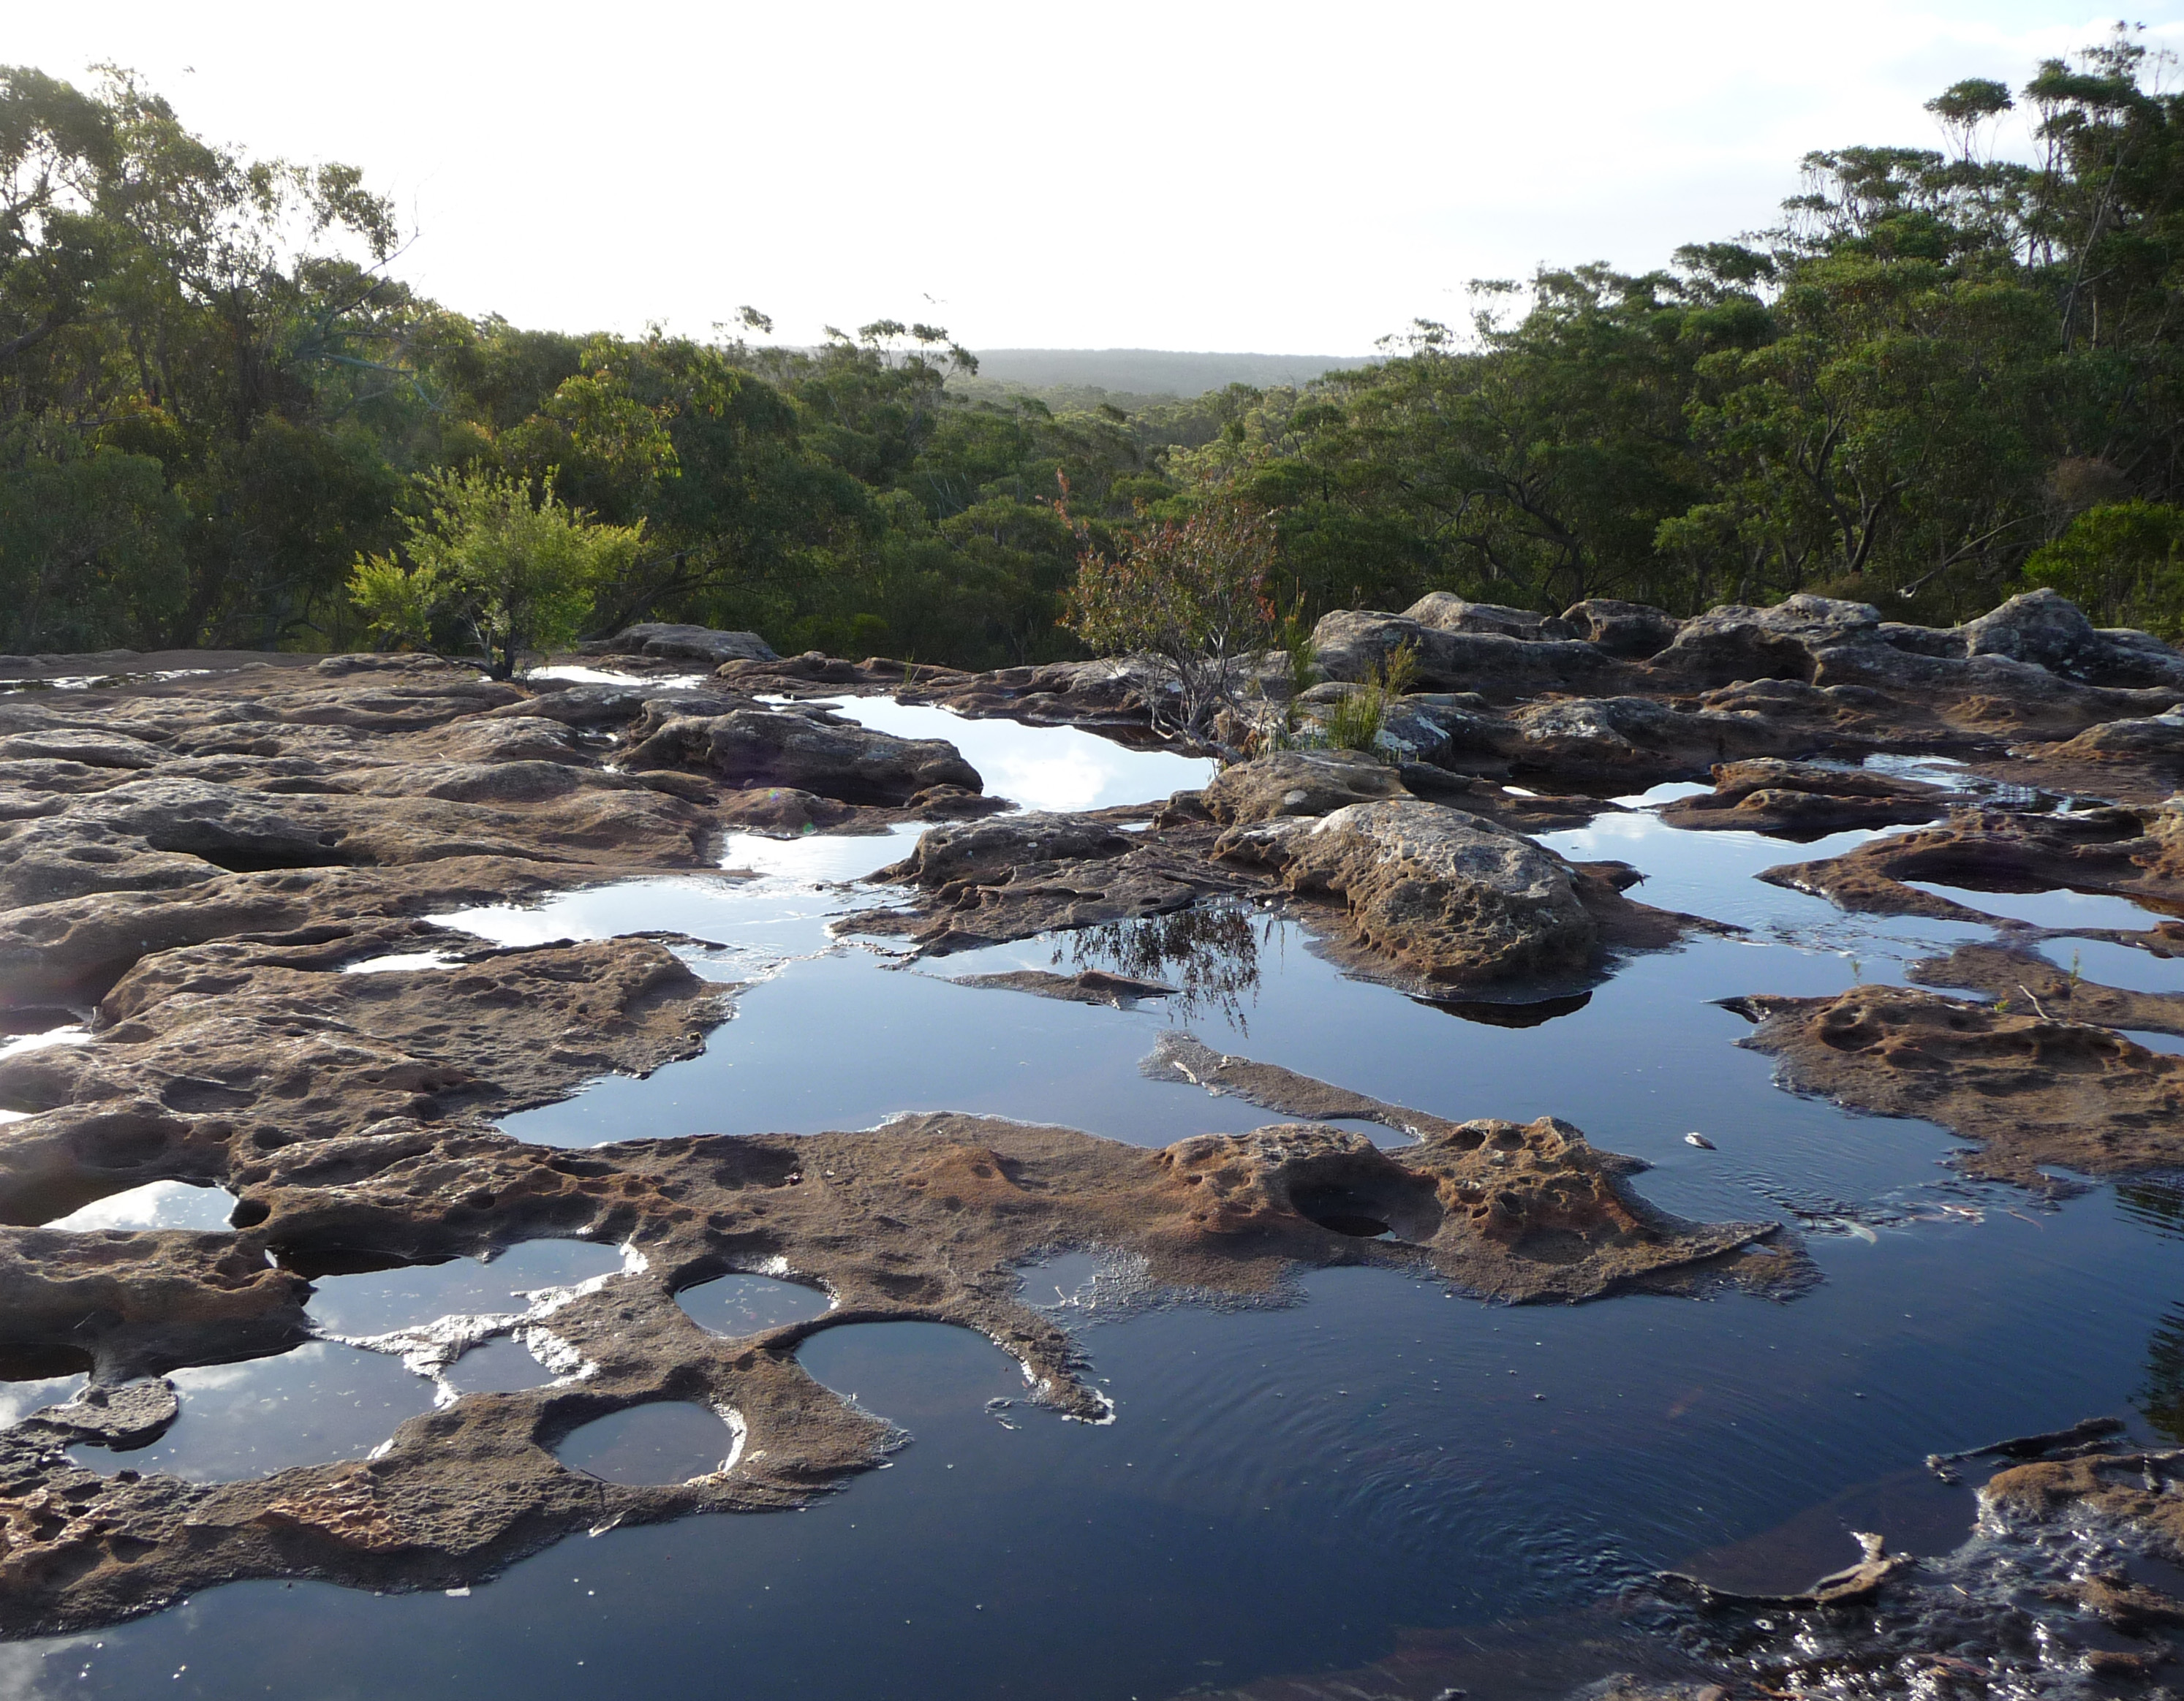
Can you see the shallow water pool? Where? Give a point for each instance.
(1288, 1489)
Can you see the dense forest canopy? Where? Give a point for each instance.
(1944, 376)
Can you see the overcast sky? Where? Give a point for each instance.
(1270, 176)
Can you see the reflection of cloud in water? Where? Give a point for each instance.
(1040, 767)
(1209, 954)
(155, 1205)
(18, 1400)
(74, 1034)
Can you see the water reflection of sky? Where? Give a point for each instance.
(155, 1205)
(1284, 1489)
(1039, 767)
(322, 1402)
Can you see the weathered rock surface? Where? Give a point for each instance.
(1446, 612)
(1449, 896)
(2136, 853)
(1353, 644)
(2027, 981)
(1297, 782)
(1804, 800)
(807, 752)
(925, 1218)
(1633, 631)
(658, 641)
(2032, 1089)
(988, 883)
(248, 1046)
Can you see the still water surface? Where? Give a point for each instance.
(1291, 1489)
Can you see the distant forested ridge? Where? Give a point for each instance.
(1944, 376)
(1174, 373)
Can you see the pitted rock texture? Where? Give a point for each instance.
(250, 1045)
(247, 842)
(1296, 782)
(988, 883)
(925, 1219)
(2032, 1089)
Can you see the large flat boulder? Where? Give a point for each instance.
(1297, 782)
(1449, 896)
(2047, 629)
(658, 641)
(813, 753)
(1634, 630)
(1353, 644)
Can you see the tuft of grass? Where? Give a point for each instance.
(1354, 723)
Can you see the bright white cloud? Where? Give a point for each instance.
(1181, 174)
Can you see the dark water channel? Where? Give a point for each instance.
(1287, 1489)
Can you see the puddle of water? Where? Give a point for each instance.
(2169, 1044)
(18, 1400)
(320, 1403)
(2063, 909)
(1039, 767)
(668, 1441)
(756, 924)
(400, 960)
(737, 1305)
(1935, 770)
(500, 1365)
(88, 681)
(592, 675)
(1283, 1491)
(2117, 965)
(1286, 1489)
(155, 1205)
(1666, 793)
(74, 1034)
(375, 1302)
(1066, 1279)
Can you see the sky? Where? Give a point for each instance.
(1193, 174)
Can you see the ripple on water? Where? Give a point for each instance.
(667, 1441)
(374, 1302)
(322, 1402)
(737, 1305)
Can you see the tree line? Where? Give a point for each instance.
(226, 420)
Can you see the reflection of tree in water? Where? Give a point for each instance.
(2159, 1206)
(2161, 1397)
(1211, 955)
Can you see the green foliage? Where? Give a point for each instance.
(1191, 593)
(518, 572)
(91, 553)
(2120, 562)
(1943, 377)
(1354, 723)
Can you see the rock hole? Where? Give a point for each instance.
(667, 1441)
(737, 1305)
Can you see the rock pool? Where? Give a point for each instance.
(1355, 1476)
